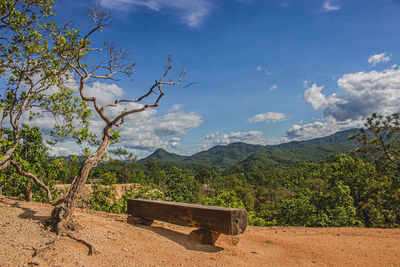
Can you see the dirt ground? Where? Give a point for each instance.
(117, 243)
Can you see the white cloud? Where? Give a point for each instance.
(362, 94)
(143, 131)
(149, 131)
(192, 12)
(317, 100)
(311, 130)
(365, 93)
(175, 142)
(273, 87)
(314, 97)
(268, 117)
(58, 151)
(328, 6)
(176, 107)
(250, 137)
(105, 93)
(320, 128)
(378, 58)
(259, 68)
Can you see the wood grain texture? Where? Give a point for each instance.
(222, 220)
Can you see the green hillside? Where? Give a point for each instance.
(282, 154)
(285, 157)
(162, 155)
(339, 137)
(223, 156)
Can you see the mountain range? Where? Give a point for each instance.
(283, 154)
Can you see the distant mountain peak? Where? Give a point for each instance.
(163, 155)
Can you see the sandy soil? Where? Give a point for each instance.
(119, 244)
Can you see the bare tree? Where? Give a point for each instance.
(72, 52)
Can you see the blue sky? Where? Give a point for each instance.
(267, 71)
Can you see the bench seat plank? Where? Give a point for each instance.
(223, 220)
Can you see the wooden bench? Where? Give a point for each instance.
(211, 220)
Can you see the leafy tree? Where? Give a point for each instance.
(65, 169)
(35, 78)
(205, 173)
(104, 198)
(109, 178)
(227, 199)
(380, 145)
(125, 158)
(31, 155)
(335, 207)
(181, 187)
(239, 184)
(297, 210)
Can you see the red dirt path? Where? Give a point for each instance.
(120, 244)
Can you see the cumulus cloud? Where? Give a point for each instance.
(328, 6)
(175, 142)
(176, 123)
(147, 131)
(319, 129)
(259, 68)
(192, 13)
(273, 87)
(105, 93)
(313, 96)
(365, 93)
(362, 94)
(378, 58)
(143, 131)
(58, 151)
(250, 137)
(268, 117)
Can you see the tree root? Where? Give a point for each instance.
(79, 240)
(87, 244)
(45, 247)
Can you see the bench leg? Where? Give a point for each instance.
(138, 220)
(204, 236)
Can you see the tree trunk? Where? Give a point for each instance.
(28, 190)
(4, 165)
(62, 214)
(4, 162)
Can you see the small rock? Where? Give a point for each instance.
(125, 249)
